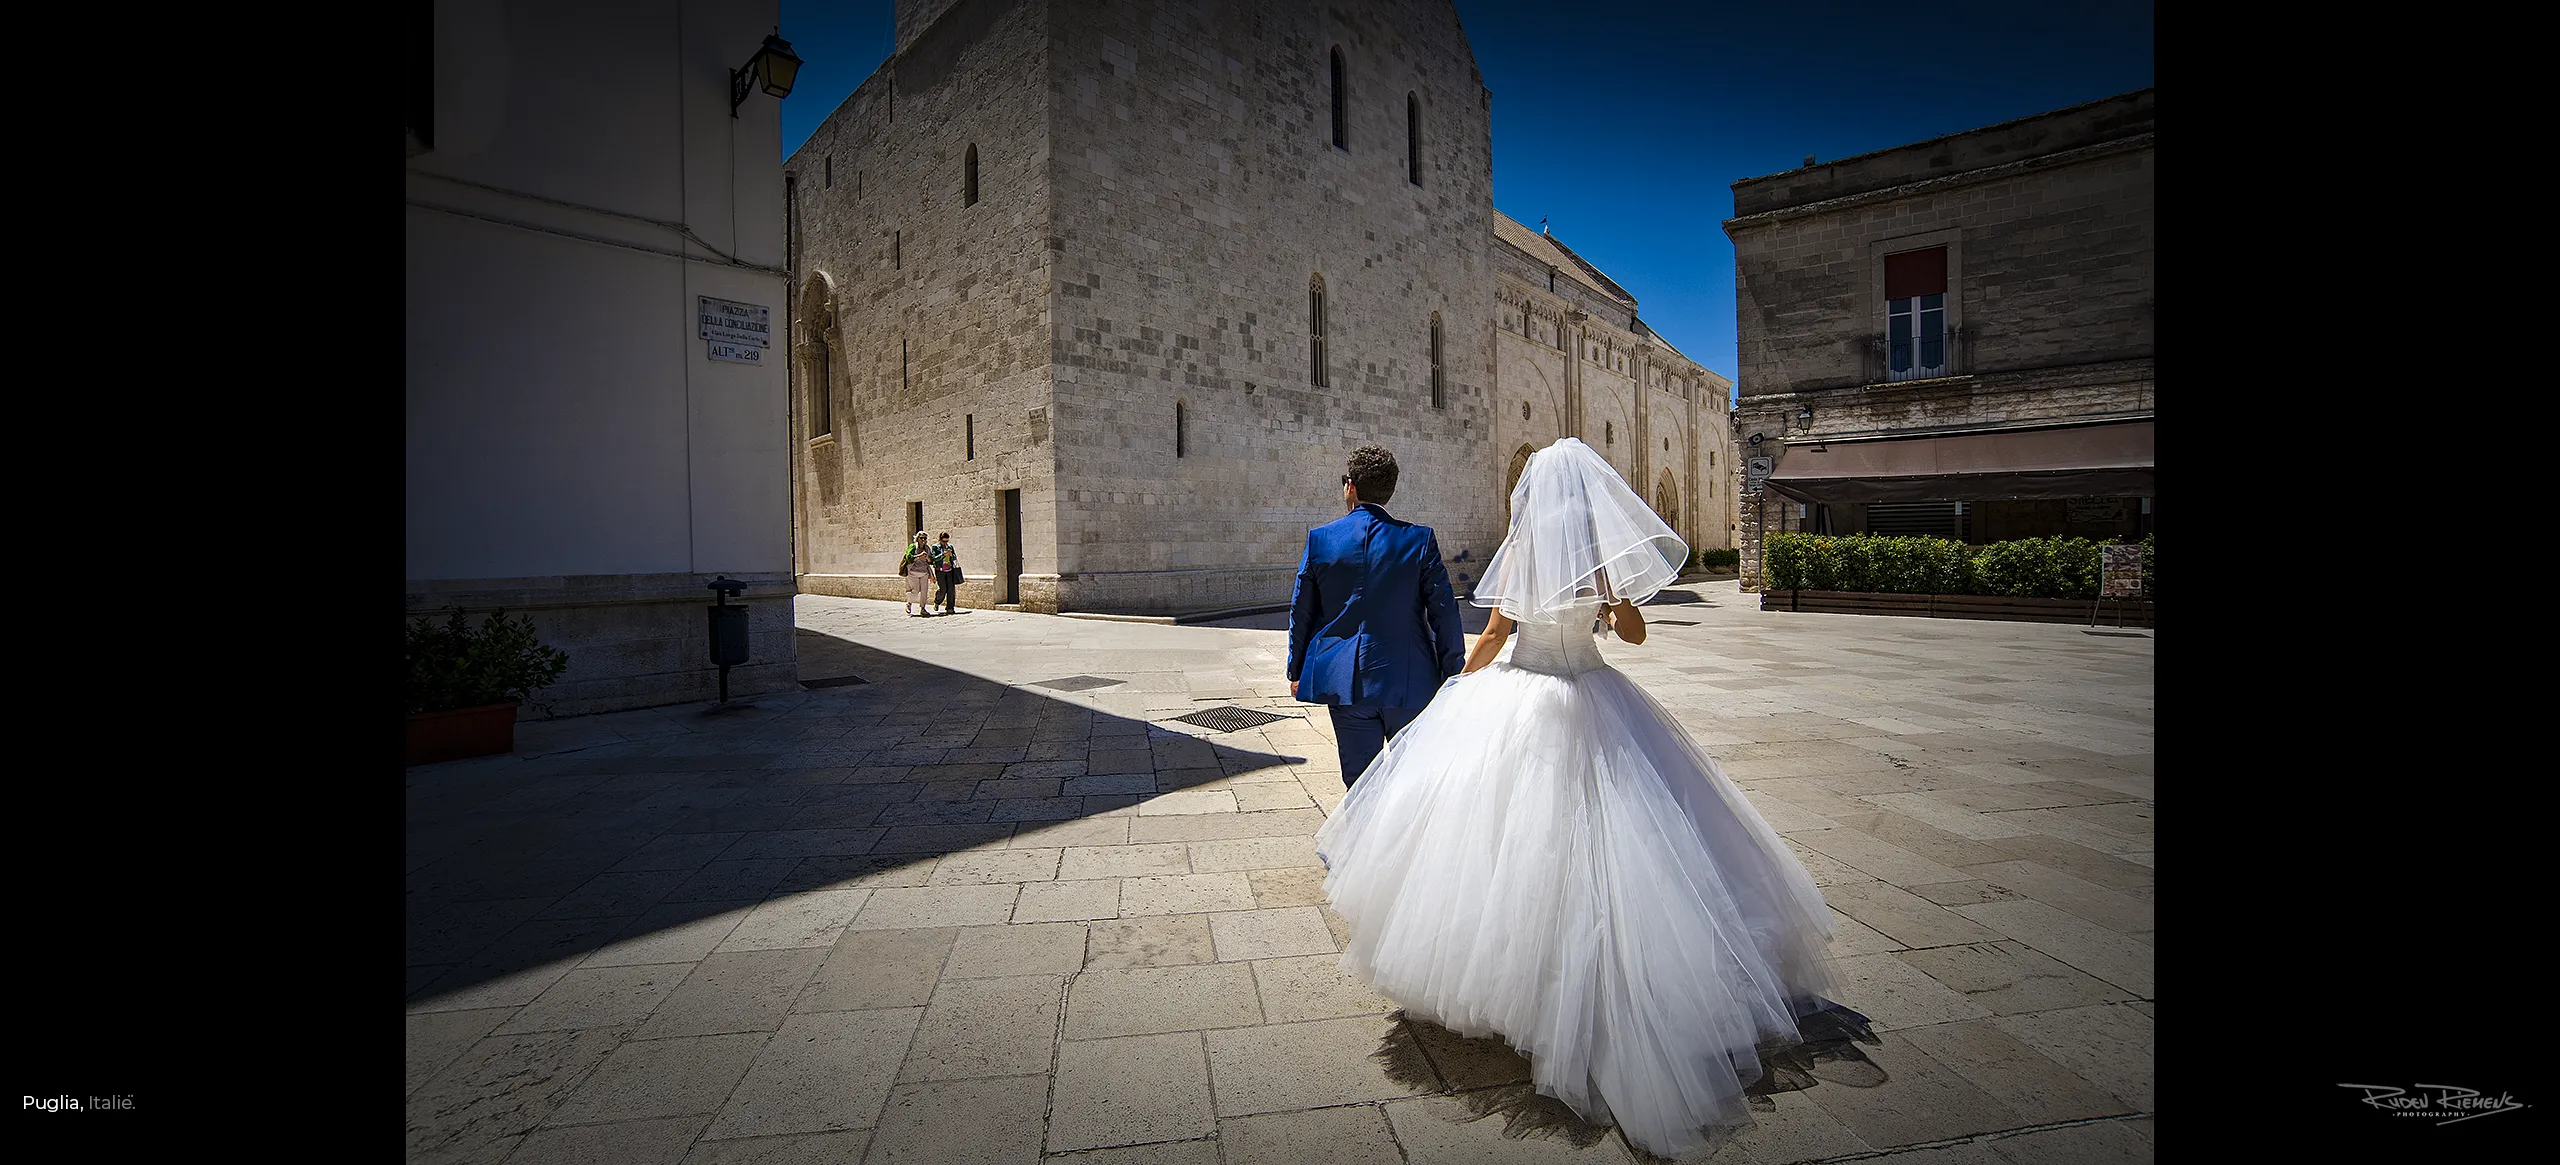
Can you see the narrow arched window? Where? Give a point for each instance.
(822, 420)
(1178, 448)
(1341, 111)
(1439, 390)
(969, 178)
(1315, 332)
(1413, 139)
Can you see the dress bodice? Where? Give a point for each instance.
(1567, 647)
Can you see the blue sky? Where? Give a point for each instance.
(1627, 129)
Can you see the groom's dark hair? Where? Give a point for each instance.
(1373, 473)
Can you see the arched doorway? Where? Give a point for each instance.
(1666, 501)
(1511, 480)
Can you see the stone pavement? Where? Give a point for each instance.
(961, 911)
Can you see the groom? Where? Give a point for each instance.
(1373, 628)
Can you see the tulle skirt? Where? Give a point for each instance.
(1551, 859)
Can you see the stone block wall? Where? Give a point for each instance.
(633, 641)
(1197, 193)
(939, 350)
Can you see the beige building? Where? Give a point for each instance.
(1109, 292)
(1573, 359)
(1953, 337)
(587, 193)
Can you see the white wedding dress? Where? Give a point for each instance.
(1544, 855)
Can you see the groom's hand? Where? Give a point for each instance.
(1293, 689)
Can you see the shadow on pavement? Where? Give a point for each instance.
(1491, 1079)
(519, 868)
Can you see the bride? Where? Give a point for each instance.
(1544, 855)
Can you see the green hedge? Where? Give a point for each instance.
(2045, 568)
(1701, 560)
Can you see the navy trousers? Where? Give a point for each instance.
(1360, 733)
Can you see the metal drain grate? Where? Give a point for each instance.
(1671, 622)
(1079, 683)
(1229, 719)
(833, 682)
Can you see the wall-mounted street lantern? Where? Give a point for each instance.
(1804, 416)
(773, 66)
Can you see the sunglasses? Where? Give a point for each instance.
(1346, 479)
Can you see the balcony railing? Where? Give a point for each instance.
(1942, 352)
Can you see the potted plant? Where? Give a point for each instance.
(465, 684)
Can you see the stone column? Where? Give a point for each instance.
(1644, 413)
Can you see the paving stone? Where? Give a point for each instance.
(2010, 978)
(989, 866)
(963, 1122)
(856, 873)
(986, 1027)
(1466, 1064)
(1222, 826)
(803, 1149)
(1313, 987)
(1851, 937)
(1130, 1091)
(2109, 1046)
(654, 1079)
(1797, 1129)
(622, 895)
(480, 1107)
(1923, 1101)
(748, 991)
(1896, 994)
(2120, 960)
(1258, 853)
(817, 918)
(1187, 802)
(936, 906)
(723, 880)
(2114, 871)
(436, 1039)
(801, 843)
(1185, 894)
(819, 1073)
(1157, 941)
(642, 1142)
(1303, 886)
(1965, 893)
(1880, 859)
(1286, 1066)
(1146, 1000)
(996, 952)
(1351, 1135)
(1268, 934)
(941, 839)
(1444, 1130)
(2115, 911)
(2100, 1143)
(871, 969)
(1068, 901)
(1905, 917)
(2038, 1089)
(598, 997)
(1123, 861)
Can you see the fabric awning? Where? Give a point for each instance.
(2082, 461)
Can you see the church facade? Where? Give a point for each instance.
(1109, 291)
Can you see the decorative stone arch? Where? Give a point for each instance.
(818, 355)
(1511, 480)
(1666, 500)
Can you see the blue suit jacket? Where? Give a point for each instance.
(1374, 622)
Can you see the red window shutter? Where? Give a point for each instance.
(1915, 273)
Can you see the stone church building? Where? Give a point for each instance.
(1110, 290)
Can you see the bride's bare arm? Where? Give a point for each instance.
(1489, 644)
(1626, 621)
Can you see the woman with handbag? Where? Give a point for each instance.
(918, 567)
(946, 572)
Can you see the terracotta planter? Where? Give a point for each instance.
(487, 730)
